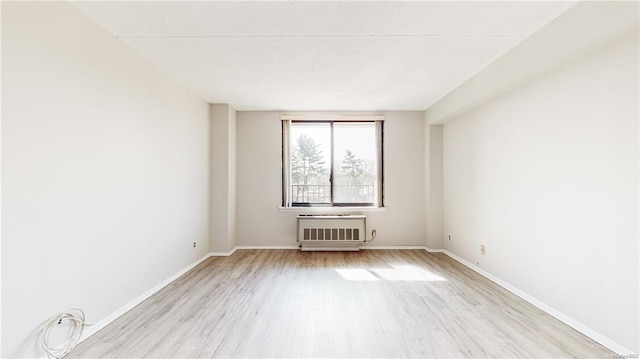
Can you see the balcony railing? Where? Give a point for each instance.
(343, 193)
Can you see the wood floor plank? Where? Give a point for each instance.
(368, 304)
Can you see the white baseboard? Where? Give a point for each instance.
(603, 340)
(90, 330)
(223, 254)
(430, 250)
(360, 247)
(267, 247)
(390, 247)
(298, 247)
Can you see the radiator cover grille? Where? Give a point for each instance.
(330, 234)
(325, 232)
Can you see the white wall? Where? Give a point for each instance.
(259, 182)
(222, 225)
(546, 176)
(105, 171)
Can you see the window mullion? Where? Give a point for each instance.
(331, 166)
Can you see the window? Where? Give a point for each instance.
(332, 163)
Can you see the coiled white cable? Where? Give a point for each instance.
(373, 236)
(77, 318)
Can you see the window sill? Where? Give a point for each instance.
(330, 210)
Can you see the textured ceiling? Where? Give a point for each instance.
(322, 55)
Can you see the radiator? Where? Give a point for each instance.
(331, 233)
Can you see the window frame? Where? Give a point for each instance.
(286, 123)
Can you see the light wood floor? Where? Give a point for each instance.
(372, 304)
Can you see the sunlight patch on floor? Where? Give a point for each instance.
(396, 273)
(356, 274)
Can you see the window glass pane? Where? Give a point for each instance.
(310, 162)
(355, 168)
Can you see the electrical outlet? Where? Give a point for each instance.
(194, 244)
(449, 238)
(482, 249)
(373, 233)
